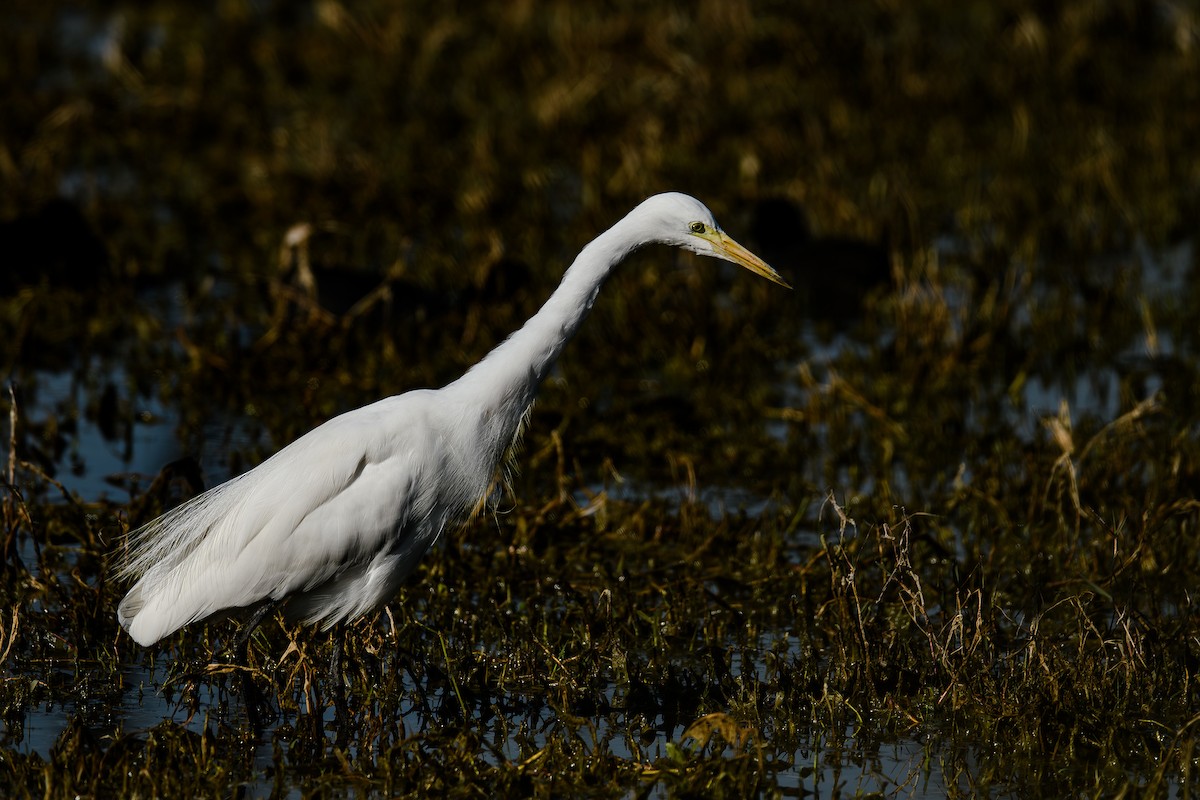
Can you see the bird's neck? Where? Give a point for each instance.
(506, 381)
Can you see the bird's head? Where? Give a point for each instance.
(683, 221)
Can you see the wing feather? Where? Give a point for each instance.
(291, 523)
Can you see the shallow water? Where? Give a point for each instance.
(924, 526)
(909, 765)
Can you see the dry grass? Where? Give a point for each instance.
(927, 526)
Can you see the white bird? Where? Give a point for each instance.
(330, 526)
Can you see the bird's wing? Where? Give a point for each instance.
(331, 498)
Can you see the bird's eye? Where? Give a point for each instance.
(696, 227)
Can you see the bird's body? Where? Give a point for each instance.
(332, 524)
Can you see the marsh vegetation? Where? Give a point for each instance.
(925, 526)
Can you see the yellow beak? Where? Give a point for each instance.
(726, 248)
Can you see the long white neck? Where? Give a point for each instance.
(493, 397)
(503, 385)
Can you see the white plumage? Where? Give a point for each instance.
(333, 523)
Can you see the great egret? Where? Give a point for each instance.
(330, 526)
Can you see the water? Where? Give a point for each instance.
(1015, 193)
(908, 765)
(94, 459)
(95, 463)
